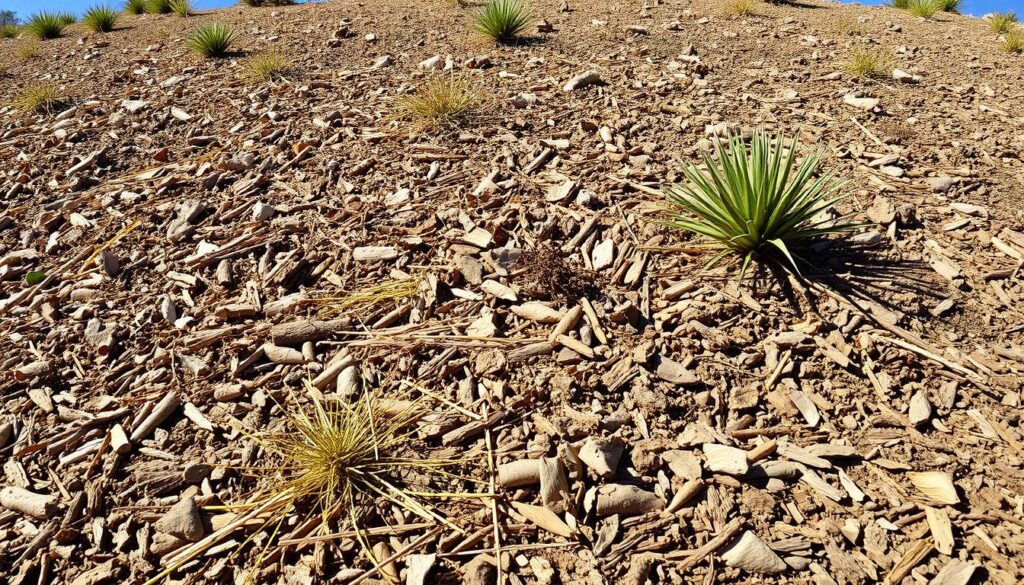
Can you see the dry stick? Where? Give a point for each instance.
(395, 556)
(690, 558)
(31, 291)
(492, 469)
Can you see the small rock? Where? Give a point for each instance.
(920, 408)
(582, 80)
(725, 459)
(941, 184)
(602, 454)
(182, 521)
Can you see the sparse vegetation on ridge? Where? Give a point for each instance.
(923, 8)
(158, 6)
(1002, 22)
(502, 20)
(1013, 41)
(182, 7)
(755, 200)
(9, 31)
(212, 40)
(100, 19)
(135, 6)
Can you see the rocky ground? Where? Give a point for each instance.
(637, 419)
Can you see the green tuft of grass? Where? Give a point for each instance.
(100, 19)
(867, 63)
(158, 6)
(41, 97)
(9, 31)
(67, 18)
(212, 40)
(949, 5)
(45, 25)
(1013, 41)
(182, 7)
(266, 66)
(502, 20)
(1002, 22)
(923, 8)
(441, 101)
(755, 201)
(135, 6)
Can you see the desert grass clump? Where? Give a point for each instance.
(328, 466)
(182, 7)
(740, 7)
(923, 8)
(158, 6)
(1013, 41)
(502, 20)
(45, 25)
(29, 50)
(441, 101)
(212, 40)
(135, 6)
(40, 97)
(67, 18)
(755, 201)
(1002, 22)
(9, 31)
(266, 66)
(868, 63)
(100, 19)
(949, 5)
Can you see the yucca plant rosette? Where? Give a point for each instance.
(756, 201)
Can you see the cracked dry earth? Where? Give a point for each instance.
(635, 418)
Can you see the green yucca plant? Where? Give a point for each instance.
(45, 25)
(923, 8)
(212, 40)
(67, 18)
(9, 31)
(181, 7)
(100, 19)
(158, 6)
(502, 20)
(1013, 41)
(752, 201)
(1002, 22)
(135, 6)
(948, 5)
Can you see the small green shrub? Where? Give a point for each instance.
(502, 20)
(266, 66)
(181, 7)
(1013, 41)
(1002, 22)
(100, 19)
(752, 201)
(158, 6)
(868, 63)
(212, 40)
(41, 97)
(135, 6)
(9, 31)
(67, 18)
(923, 8)
(45, 25)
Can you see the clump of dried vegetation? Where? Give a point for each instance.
(1013, 41)
(266, 66)
(37, 98)
(740, 7)
(442, 101)
(867, 63)
(502, 20)
(755, 201)
(1002, 22)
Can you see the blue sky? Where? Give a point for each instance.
(26, 8)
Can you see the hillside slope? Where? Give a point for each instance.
(187, 223)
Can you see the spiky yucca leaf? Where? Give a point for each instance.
(100, 19)
(1002, 22)
(158, 6)
(212, 40)
(923, 8)
(42, 97)
(182, 7)
(502, 20)
(441, 101)
(135, 6)
(45, 25)
(755, 201)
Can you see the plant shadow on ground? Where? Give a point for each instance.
(864, 272)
